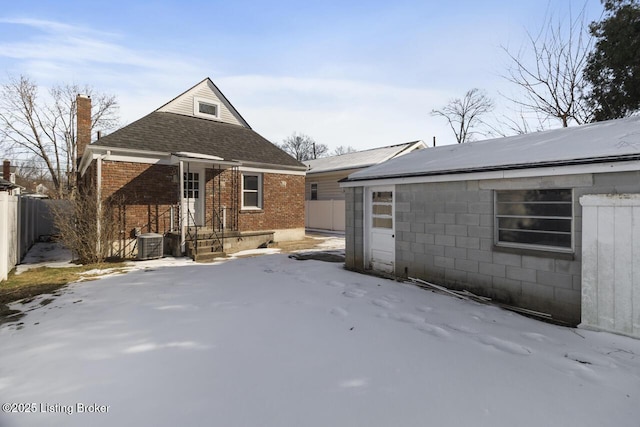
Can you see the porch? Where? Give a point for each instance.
(201, 246)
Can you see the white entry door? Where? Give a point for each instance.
(193, 196)
(381, 231)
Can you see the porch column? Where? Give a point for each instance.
(181, 207)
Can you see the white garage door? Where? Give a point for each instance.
(381, 231)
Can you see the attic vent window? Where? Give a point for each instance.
(206, 108)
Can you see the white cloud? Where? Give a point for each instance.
(337, 112)
(334, 111)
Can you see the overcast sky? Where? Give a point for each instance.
(364, 74)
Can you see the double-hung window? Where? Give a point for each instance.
(314, 191)
(251, 191)
(535, 219)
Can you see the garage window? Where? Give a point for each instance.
(536, 219)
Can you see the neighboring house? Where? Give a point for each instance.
(548, 221)
(324, 207)
(195, 171)
(8, 180)
(8, 186)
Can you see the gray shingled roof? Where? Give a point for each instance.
(6, 185)
(172, 133)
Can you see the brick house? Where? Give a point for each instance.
(194, 171)
(548, 221)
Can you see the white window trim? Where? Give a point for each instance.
(196, 107)
(311, 190)
(558, 249)
(259, 191)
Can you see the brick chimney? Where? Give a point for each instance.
(6, 170)
(83, 132)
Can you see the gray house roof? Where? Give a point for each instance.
(171, 133)
(358, 159)
(7, 185)
(613, 140)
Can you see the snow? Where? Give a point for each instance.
(272, 341)
(356, 159)
(598, 140)
(49, 254)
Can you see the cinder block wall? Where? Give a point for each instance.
(444, 234)
(354, 229)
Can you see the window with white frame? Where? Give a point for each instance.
(536, 219)
(314, 191)
(206, 108)
(251, 191)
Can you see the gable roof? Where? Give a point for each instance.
(7, 185)
(206, 88)
(613, 140)
(172, 133)
(359, 159)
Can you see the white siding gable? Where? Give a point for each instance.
(205, 91)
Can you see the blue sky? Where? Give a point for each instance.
(364, 74)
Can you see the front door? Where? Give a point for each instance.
(381, 231)
(193, 196)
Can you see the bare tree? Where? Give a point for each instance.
(550, 71)
(341, 149)
(46, 129)
(465, 115)
(303, 147)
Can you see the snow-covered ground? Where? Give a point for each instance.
(272, 341)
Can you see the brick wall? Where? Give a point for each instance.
(143, 195)
(282, 207)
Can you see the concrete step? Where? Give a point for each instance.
(208, 256)
(203, 243)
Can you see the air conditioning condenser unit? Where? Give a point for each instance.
(150, 246)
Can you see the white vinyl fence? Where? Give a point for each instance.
(611, 262)
(8, 233)
(325, 214)
(23, 221)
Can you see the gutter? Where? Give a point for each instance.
(301, 168)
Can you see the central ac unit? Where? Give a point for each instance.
(150, 246)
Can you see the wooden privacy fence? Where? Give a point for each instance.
(23, 221)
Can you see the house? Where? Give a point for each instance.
(548, 221)
(324, 199)
(194, 171)
(8, 180)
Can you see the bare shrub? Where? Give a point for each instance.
(87, 227)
